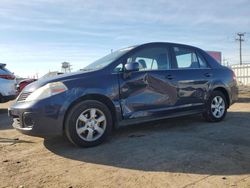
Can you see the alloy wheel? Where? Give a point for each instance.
(218, 106)
(91, 124)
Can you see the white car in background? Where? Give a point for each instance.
(7, 84)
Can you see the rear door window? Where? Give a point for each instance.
(186, 58)
(202, 61)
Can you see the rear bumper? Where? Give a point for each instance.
(43, 118)
(234, 94)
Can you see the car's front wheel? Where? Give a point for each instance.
(216, 107)
(88, 123)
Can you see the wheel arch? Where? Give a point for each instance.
(101, 98)
(225, 93)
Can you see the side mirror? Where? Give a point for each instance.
(131, 67)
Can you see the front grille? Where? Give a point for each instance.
(23, 96)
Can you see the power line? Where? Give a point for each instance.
(240, 39)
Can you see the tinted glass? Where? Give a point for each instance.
(202, 62)
(118, 68)
(4, 71)
(186, 58)
(106, 60)
(154, 58)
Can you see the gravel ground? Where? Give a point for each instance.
(181, 152)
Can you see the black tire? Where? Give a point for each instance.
(71, 123)
(208, 114)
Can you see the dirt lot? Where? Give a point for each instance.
(182, 152)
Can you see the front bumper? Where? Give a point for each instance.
(41, 118)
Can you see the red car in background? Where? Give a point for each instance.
(24, 83)
(28, 81)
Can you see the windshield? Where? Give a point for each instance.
(106, 60)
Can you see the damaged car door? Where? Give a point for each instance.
(151, 90)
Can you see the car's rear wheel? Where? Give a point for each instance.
(216, 107)
(88, 123)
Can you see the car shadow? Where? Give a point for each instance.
(5, 121)
(180, 145)
(3, 111)
(243, 100)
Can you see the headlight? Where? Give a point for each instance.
(46, 91)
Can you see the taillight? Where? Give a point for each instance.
(7, 77)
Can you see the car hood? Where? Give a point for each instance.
(60, 78)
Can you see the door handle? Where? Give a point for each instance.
(170, 77)
(208, 74)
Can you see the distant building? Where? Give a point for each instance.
(216, 55)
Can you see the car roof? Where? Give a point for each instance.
(2, 65)
(166, 43)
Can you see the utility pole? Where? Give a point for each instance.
(240, 39)
(225, 62)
